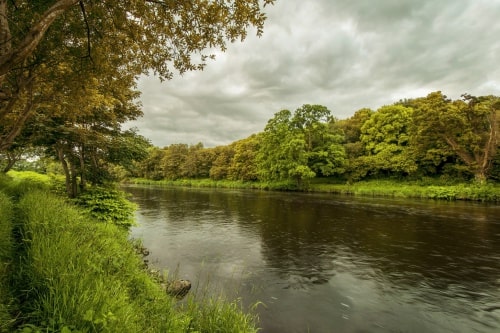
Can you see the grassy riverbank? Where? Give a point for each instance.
(64, 271)
(429, 189)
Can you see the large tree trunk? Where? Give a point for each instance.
(64, 164)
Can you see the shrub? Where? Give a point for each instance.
(107, 205)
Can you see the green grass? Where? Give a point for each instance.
(424, 189)
(209, 183)
(6, 300)
(465, 191)
(73, 273)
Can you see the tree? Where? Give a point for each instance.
(354, 148)
(223, 157)
(243, 164)
(307, 119)
(81, 125)
(386, 141)
(197, 164)
(151, 167)
(469, 127)
(352, 126)
(173, 160)
(281, 150)
(133, 37)
(301, 146)
(324, 150)
(126, 149)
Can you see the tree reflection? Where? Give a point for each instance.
(308, 238)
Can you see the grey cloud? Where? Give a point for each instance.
(343, 54)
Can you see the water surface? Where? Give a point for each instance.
(326, 263)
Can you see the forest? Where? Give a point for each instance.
(431, 136)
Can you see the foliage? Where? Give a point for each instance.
(151, 167)
(221, 163)
(300, 146)
(62, 49)
(410, 139)
(469, 128)
(107, 205)
(244, 164)
(198, 162)
(174, 156)
(386, 140)
(406, 189)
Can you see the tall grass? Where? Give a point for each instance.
(76, 274)
(6, 300)
(426, 189)
(284, 185)
(464, 191)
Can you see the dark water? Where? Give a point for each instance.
(325, 263)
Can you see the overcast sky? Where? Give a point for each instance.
(342, 54)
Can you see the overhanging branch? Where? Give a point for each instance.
(87, 26)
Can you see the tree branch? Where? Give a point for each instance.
(85, 18)
(33, 37)
(6, 141)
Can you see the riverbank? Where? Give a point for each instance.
(64, 271)
(488, 192)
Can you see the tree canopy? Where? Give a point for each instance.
(41, 41)
(430, 136)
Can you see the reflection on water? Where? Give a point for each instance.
(326, 263)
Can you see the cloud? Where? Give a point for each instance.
(342, 54)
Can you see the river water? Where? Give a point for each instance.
(327, 263)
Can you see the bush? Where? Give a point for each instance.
(107, 205)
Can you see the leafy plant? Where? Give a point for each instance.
(107, 205)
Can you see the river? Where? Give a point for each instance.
(328, 263)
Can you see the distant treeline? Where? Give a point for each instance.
(431, 136)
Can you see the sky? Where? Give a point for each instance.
(343, 54)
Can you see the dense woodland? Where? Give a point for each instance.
(431, 136)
